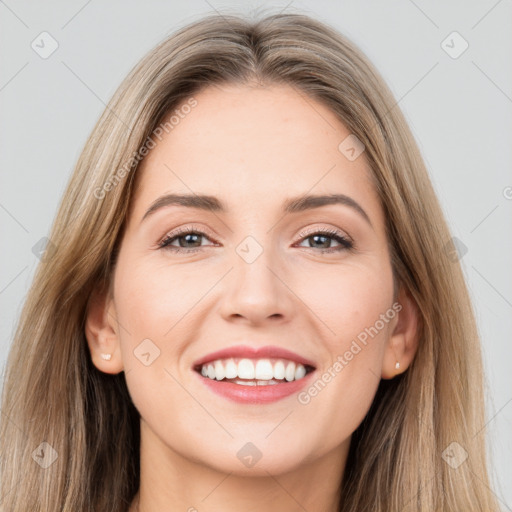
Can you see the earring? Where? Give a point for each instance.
(107, 357)
(397, 366)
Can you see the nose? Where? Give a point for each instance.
(258, 292)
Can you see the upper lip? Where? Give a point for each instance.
(268, 351)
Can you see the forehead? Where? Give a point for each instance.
(253, 144)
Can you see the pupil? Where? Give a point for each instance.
(326, 243)
(187, 237)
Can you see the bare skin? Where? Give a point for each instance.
(252, 147)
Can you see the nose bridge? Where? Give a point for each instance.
(257, 248)
(253, 261)
(255, 288)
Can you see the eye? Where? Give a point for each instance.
(322, 237)
(189, 240)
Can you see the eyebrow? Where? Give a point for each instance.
(290, 205)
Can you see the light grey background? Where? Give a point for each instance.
(460, 110)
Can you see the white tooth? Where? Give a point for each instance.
(261, 371)
(219, 370)
(231, 369)
(290, 372)
(246, 369)
(300, 371)
(279, 370)
(264, 370)
(247, 383)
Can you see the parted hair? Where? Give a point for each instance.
(53, 393)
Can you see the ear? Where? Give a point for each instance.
(101, 331)
(403, 342)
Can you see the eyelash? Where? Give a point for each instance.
(345, 243)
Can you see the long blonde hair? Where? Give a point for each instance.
(54, 394)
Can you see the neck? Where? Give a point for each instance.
(170, 481)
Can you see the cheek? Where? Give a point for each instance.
(151, 303)
(340, 302)
(340, 305)
(151, 299)
(349, 300)
(358, 309)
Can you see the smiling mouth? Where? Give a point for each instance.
(254, 372)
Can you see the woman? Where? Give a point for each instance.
(251, 369)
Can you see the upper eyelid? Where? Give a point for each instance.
(330, 230)
(185, 230)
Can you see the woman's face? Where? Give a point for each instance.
(255, 271)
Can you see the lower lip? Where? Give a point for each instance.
(255, 394)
